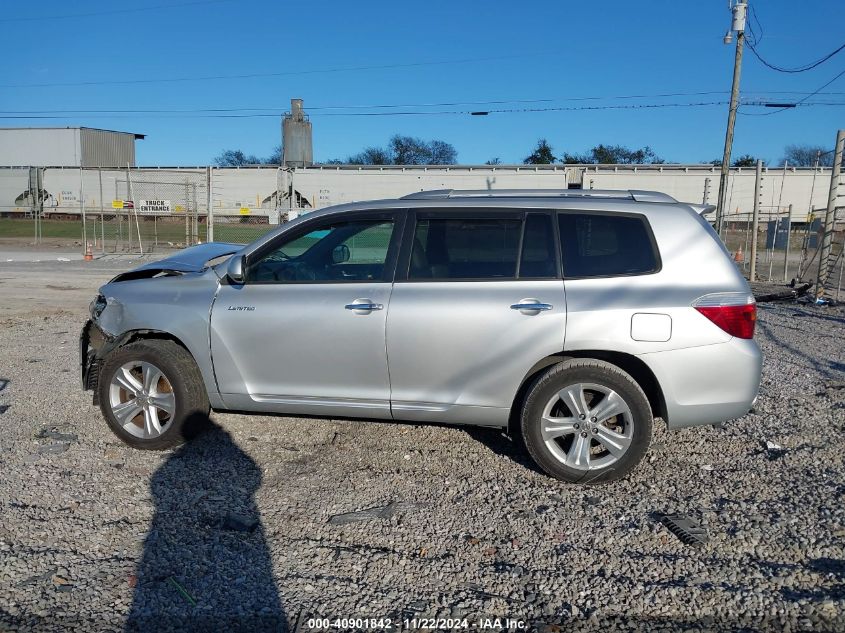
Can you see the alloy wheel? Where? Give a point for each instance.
(587, 426)
(142, 399)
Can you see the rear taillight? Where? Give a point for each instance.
(734, 312)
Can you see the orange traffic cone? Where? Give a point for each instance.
(738, 256)
(89, 255)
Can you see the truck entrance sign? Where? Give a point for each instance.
(154, 206)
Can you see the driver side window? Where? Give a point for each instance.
(338, 251)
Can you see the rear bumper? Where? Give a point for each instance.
(708, 384)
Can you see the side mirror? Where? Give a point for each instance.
(340, 254)
(235, 269)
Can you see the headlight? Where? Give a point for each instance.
(97, 306)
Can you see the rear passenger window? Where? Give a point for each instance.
(597, 245)
(478, 248)
(538, 248)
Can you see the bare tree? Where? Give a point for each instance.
(805, 155)
(275, 158)
(441, 153)
(235, 158)
(404, 150)
(370, 156)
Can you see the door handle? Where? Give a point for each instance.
(531, 305)
(364, 305)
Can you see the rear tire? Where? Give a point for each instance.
(586, 421)
(152, 395)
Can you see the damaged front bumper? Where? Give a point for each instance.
(94, 344)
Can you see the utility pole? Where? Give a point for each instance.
(758, 183)
(786, 253)
(830, 216)
(209, 210)
(739, 12)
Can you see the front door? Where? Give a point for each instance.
(305, 332)
(478, 300)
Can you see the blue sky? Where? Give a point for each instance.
(550, 51)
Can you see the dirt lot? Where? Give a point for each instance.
(246, 528)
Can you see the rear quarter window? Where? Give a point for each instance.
(604, 245)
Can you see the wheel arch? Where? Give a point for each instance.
(636, 368)
(147, 334)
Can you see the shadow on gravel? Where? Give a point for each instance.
(512, 448)
(833, 569)
(206, 565)
(827, 372)
(829, 316)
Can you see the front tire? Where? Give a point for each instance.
(152, 394)
(586, 421)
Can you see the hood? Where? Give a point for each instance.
(190, 260)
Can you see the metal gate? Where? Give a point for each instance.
(146, 211)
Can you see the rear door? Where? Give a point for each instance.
(478, 300)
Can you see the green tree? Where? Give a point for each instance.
(542, 154)
(746, 160)
(493, 161)
(614, 155)
(577, 159)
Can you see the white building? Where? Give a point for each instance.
(66, 147)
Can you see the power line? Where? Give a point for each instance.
(638, 106)
(236, 115)
(44, 18)
(248, 113)
(116, 82)
(275, 110)
(360, 107)
(794, 70)
(756, 38)
(799, 102)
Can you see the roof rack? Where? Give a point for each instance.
(618, 194)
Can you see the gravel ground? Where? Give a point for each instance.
(247, 527)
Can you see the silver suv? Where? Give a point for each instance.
(570, 317)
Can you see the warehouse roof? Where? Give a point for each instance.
(78, 127)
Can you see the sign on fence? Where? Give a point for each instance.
(777, 233)
(117, 204)
(154, 206)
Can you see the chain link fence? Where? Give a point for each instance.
(779, 243)
(140, 210)
(786, 248)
